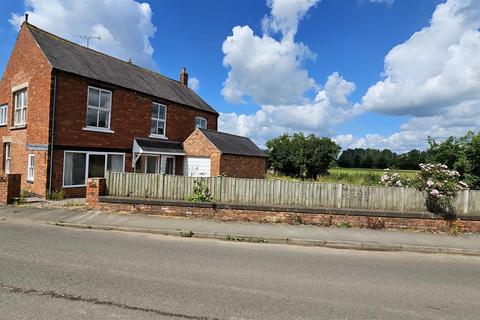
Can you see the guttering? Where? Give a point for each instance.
(52, 136)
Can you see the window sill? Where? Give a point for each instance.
(75, 186)
(18, 127)
(157, 136)
(98, 130)
(3, 125)
(29, 181)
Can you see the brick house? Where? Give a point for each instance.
(68, 113)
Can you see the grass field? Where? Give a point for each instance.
(358, 176)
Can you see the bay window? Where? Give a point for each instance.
(79, 165)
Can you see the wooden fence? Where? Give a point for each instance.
(279, 193)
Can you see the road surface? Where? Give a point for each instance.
(49, 272)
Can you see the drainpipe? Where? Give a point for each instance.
(54, 104)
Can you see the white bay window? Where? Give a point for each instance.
(80, 165)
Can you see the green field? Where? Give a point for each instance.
(405, 173)
(358, 176)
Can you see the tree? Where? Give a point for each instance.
(302, 156)
(462, 154)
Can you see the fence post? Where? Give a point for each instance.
(402, 199)
(339, 194)
(163, 186)
(466, 200)
(218, 186)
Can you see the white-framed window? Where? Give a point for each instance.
(20, 110)
(99, 107)
(3, 115)
(158, 125)
(200, 122)
(6, 157)
(80, 165)
(31, 167)
(156, 164)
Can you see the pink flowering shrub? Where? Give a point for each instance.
(393, 179)
(439, 184)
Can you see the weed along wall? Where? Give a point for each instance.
(173, 203)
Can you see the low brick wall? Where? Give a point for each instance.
(420, 221)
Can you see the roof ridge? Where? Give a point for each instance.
(29, 25)
(225, 133)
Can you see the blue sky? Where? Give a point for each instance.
(348, 40)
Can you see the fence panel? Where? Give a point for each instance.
(281, 193)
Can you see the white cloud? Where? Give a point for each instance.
(329, 107)
(124, 25)
(387, 2)
(433, 76)
(270, 73)
(194, 83)
(285, 16)
(264, 69)
(436, 69)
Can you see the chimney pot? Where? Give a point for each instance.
(184, 76)
(26, 17)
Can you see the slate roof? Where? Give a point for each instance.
(71, 57)
(232, 144)
(159, 146)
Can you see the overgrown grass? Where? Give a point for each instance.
(357, 176)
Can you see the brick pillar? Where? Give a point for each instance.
(10, 188)
(95, 189)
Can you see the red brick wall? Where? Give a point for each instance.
(27, 64)
(243, 167)
(197, 145)
(130, 116)
(320, 218)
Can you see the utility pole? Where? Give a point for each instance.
(87, 38)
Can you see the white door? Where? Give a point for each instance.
(197, 167)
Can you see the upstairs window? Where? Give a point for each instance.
(159, 117)
(20, 114)
(200, 123)
(99, 108)
(3, 115)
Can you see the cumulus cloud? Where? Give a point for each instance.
(433, 76)
(269, 72)
(125, 26)
(436, 69)
(194, 83)
(329, 107)
(285, 16)
(264, 69)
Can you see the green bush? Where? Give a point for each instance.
(201, 192)
(57, 195)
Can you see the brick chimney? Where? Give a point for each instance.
(184, 76)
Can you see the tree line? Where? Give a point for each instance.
(381, 159)
(307, 157)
